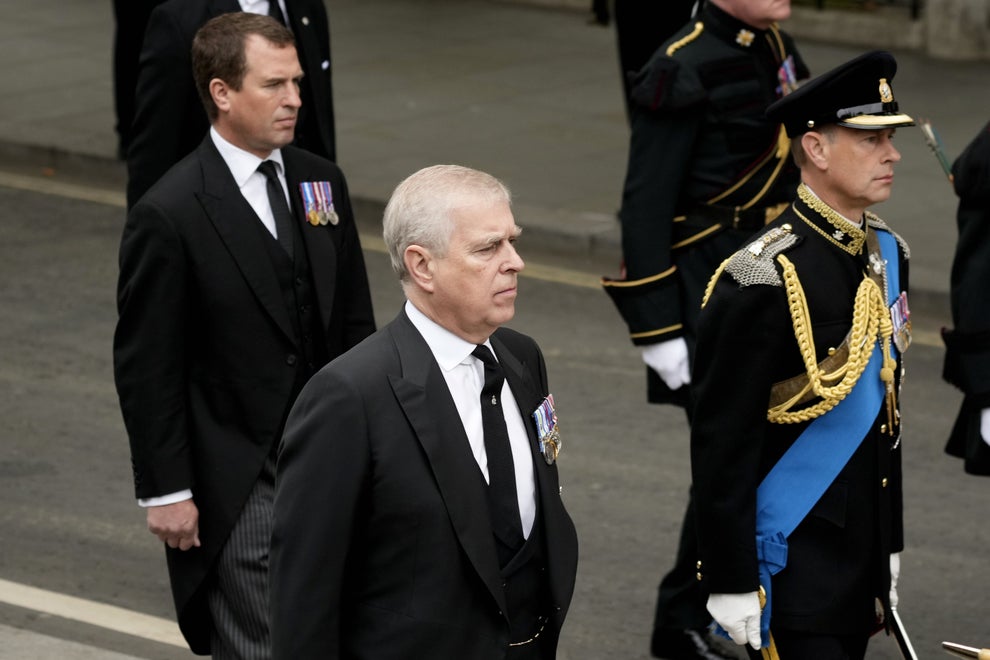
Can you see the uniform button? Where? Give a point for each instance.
(698, 576)
(290, 360)
(883, 428)
(883, 482)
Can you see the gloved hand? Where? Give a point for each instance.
(739, 615)
(670, 360)
(895, 572)
(985, 425)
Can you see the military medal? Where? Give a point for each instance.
(900, 315)
(318, 199)
(787, 76)
(548, 430)
(327, 213)
(309, 202)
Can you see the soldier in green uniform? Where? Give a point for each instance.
(796, 441)
(706, 170)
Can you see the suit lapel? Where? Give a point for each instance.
(319, 245)
(425, 399)
(230, 213)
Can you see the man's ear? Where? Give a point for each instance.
(816, 149)
(220, 92)
(419, 264)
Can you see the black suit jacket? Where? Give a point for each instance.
(169, 118)
(381, 546)
(204, 352)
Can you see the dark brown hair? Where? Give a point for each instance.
(218, 50)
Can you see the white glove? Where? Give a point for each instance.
(895, 572)
(985, 425)
(739, 615)
(670, 360)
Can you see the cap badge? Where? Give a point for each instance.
(745, 38)
(886, 96)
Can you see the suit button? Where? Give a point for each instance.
(291, 360)
(883, 482)
(883, 428)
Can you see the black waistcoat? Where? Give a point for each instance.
(295, 280)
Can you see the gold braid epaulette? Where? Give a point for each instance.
(871, 321)
(699, 27)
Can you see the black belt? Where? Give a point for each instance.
(728, 216)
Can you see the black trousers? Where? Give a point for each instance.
(793, 645)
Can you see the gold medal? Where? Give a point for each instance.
(313, 217)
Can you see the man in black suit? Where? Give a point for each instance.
(169, 121)
(418, 510)
(241, 275)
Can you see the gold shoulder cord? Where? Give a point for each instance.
(699, 27)
(870, 321)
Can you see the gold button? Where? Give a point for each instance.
(883, 428)
(699, 564)
(883, 482)
(698, 575)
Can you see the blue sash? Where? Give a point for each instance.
(812, 463)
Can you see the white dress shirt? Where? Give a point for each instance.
(261, 7)
(465, 377)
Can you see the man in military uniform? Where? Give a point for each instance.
(706, 169)
(795, 446)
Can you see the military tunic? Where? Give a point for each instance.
(838, 555)
(967, 356)
(704, 167)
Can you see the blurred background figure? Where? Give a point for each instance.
(967, 344)
(640, 27)
(169, 120)
(706, 170)
(130, 20)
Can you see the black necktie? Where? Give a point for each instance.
(275, 11)
(503, 503)
(276, 199)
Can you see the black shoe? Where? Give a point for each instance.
(687, 645)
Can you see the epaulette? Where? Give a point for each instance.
(665, 83)
(874, 221)
(754, 264)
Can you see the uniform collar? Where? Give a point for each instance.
(729, 28)
(836, 228)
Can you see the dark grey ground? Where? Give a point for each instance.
(532, 96)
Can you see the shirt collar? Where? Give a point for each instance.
(242, 164)
(448, 349)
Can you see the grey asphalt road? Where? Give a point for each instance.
(70, 524)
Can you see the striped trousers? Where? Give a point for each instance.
(238, 598)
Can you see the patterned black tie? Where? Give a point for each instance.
(276, 199)
(503, 503)
(275, 11)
